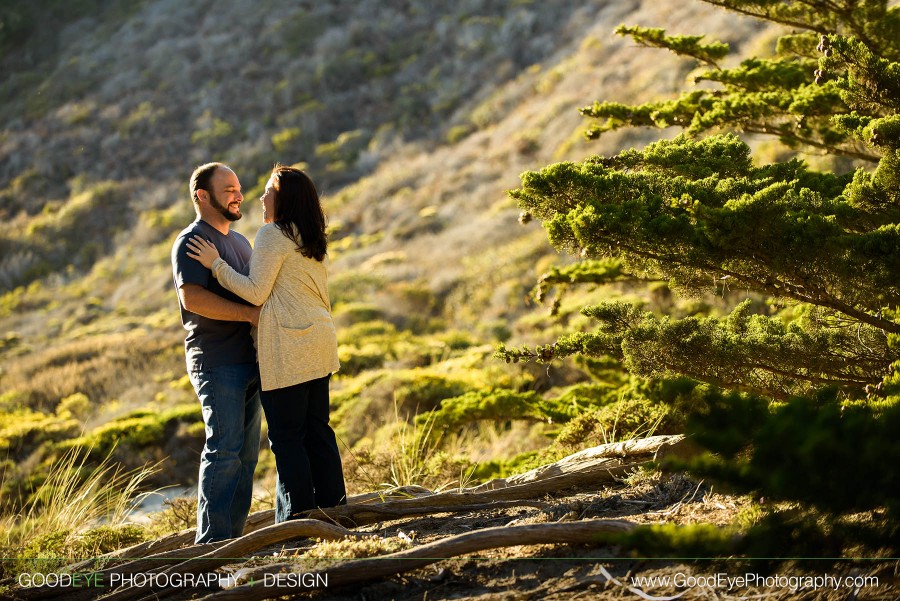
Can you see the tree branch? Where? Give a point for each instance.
(780, 289)
(354, 572)
(768, 17)
(856, 154)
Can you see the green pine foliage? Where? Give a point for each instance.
(669, 540)
(684, 45)
(837, 460)
(601, 271)
(786, 96)
(762, 449)
(801, 395)
(744, 351)
(699, 214)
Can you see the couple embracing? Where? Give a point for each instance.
(280, 286)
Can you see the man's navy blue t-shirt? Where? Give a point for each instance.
(211, 342)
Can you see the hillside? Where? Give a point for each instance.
(414, 123)
(93, 178)
(146, 98)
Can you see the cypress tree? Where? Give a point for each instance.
(799, 405)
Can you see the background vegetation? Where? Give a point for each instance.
(414, 124)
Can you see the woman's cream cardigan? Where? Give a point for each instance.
(296, 340)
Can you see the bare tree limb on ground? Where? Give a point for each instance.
(353, 572)
(590, 468)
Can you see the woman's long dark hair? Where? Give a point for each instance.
(297, 209)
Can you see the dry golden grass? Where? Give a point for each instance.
(100, 367)
(73, 498)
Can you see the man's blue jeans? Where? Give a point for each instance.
(229, 398)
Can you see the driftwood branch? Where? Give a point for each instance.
(591, 468)
(240, 547)
(261, 539)
(354, 572)
(255, 521)
(595, 460)
(197, 558)
(176, 541)
(354, 516)
(148, 564)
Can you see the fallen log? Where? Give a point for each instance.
(238, 548)
(357, 571)
(176, 541)
(592, 467)
(147, 564)
(255, 521)
(594, 459)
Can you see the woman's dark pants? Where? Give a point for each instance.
(306, 452)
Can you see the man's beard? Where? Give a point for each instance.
(223, 209)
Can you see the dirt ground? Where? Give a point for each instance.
(551, 572)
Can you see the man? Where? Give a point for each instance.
(221, 360)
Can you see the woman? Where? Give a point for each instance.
(297, 343)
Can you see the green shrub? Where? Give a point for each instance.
(51, 551)
(212, 132)
(139, 429)
(349, 314)
(457, 340)
(498, 405)
(23, 430)
(11, 401)
(587, 395)
(74, 234)
(671, 540)
(622, 420)
(459, 132)
(64, 504)
(286, 139)
(75, 406)
(503, 468)
(353, 286)
(355, 360)
(368, 331)
(301, 30)
(426, 391)
(344, 149)
(179, 514)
